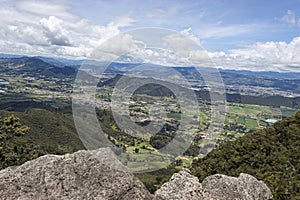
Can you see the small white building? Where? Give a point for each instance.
(272, 121)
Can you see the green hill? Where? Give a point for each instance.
(49, 130)
(271, 154)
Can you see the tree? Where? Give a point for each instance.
(11, 127)
(11, 152)
(136, 150)
(271, 154)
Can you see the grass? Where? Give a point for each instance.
(286, 111)
(176, 116)
(251, 124)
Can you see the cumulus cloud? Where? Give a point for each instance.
(49, 28)
(270, 56)
(181, 50)
(119, 46)
(188, 33)
(53, 29)
(178, 43)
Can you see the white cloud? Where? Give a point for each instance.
(290, 18)
(117, 46)
(124, 20)
(49, 28)
(218, 31)
(179, 43)
(269, 56)
(188, 33)
(55, 32)
(46, 8)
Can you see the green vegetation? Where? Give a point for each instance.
(52, 130)
(45, 132)
(153, 180)
(49, 129)
(286, 111)
(264, 154)
(38, 95)
(271, 154)
(11, 150)
(11, 127)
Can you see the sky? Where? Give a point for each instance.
(236, 34)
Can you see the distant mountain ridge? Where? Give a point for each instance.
(203, 94)
(268, 74)
(288, 83)
(34, 66)
(123, 66)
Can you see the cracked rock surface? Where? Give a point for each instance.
(185, 186)
(93, 174)
(98, 174)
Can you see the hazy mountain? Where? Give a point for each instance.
(268, 74)
(34, 66)
(282, 84)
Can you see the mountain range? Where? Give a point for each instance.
(239, 84)
(124, 66)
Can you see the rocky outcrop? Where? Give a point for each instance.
(245, 187)
(83, 175)
(99, 175)
(184, 186)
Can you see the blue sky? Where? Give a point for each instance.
(238, 34)
(220, 24)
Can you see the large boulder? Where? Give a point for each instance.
(98, 174)
(245, 187)
(183, 186)
(93, 174)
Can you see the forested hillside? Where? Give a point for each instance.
(35, 132)
(271, 154)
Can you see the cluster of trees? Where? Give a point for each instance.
(19, 143)
(14, 149)
(115, 135)
(271, 154)
(11, 127)
(164, 136)
(153, 180)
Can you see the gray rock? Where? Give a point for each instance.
(245, 187)
(98, 174)
(83, 175)
(183, 185)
